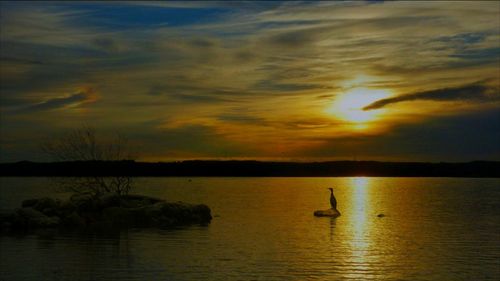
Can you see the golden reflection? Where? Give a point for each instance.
(360, 201)
(360, 242)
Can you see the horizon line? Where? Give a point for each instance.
(250, 160)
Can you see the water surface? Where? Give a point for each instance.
(263, 229)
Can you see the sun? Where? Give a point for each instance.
(349, 105)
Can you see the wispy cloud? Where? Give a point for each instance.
(254, 72)
(470, 92)
(76, 99)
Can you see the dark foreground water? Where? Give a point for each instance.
(263, 229)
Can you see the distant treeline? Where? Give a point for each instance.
(252, 169)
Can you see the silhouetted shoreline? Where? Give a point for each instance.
(199, 168)
(108, 210)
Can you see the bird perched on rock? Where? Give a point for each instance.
(332, 212)
(333, 201)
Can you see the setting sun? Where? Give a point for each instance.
(349, 106)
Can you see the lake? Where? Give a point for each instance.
(264, 229)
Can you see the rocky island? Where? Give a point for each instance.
(109, 211)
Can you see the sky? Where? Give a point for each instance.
(275, 80)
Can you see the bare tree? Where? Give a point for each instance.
(84, 145)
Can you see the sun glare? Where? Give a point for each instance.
(349, 106)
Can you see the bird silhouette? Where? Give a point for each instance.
(333, 201)
(333, 212)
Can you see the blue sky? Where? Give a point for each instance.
(278, 80)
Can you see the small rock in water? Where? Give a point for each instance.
(327, 213)
(380, 215)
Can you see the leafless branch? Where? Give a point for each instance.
(83, 145)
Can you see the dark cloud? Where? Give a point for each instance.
(268, 85)
(202, 43)
(244, 56)
(328, 96)
(106, 44)
(189, 94)
(157, 90)
(20, 60)
(239, 118)
(475, 91)
(12, 101)
(50, 67)
(464, 38)
(186, 141)
(21, 138)
(482, 55)
(294, 39)
(472, 136)
(83, 96)
(201, 98)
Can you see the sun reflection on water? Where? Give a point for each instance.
(360, 201)
(360, 242)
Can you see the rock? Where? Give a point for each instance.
(160, 214)
(66, 208)
(182, 213)
(32, 218)
(109, 200)
(46, 204)
(327, 213)
(152, 211)
(29, 203)
(111, 209)
(380, 215)
(141, 198)
(127, 201)
(86, 204)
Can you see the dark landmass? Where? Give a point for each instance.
(116, 211)
(200, 168)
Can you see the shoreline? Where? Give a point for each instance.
(198, 168)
